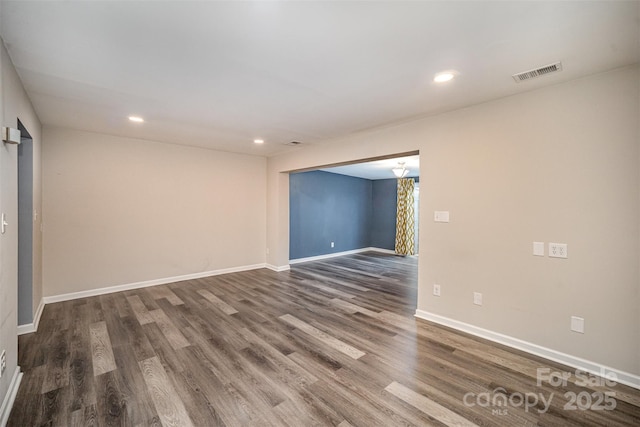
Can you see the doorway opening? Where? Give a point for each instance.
(339, 209)
(25, 227)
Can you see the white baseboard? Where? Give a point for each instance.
(32, 327)
(381, 250)
(622, 377)
(10, 397)
(277, 268)
(337, 254)
(147, 283)
(26, 329)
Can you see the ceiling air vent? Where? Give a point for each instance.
(531, 74)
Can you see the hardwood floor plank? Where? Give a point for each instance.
(171, 410)
(90, 416)
(322, 336)
(81, 364)
(202, 411)
(352, 308)
(31, 353)
(30, 393)
(352, 406)
(113, 320)
(137, 339)
(54, 407)
(293, 372)
(122, 305)
(135, 397)
(244, 381)
(162, 348)
(217, 302)
(169, 330)
(207, 389)
(164, 291)
(101, 351)
(139, 309)
(329, 290)
(77, 418)
(428, 406)
(57, 371)
(111, 407)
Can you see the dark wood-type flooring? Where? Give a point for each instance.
(331, 342)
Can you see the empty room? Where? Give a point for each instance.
(328, 213)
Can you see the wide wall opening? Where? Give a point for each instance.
(343, 209)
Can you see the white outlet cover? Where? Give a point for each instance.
(558, 250)
(436, 290)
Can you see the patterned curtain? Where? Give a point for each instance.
(405, 222)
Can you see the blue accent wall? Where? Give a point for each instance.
(327, 207)
(383, 218)
(354, 213)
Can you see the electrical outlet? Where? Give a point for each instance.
(3, 362)
(436, 290)
(558, 250)
(333, 244)
(477, 298)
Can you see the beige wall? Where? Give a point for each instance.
(119, 211)
(560, 164)
(15, 104)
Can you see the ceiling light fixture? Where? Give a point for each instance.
(400, 171)
(136, 119)
(258, 141)
(443, 77)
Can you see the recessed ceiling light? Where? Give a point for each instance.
(443, 77)
(136, 119)
(258, 141)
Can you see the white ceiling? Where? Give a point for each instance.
(220, 73)
(379, 169)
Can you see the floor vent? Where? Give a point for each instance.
(531, 74)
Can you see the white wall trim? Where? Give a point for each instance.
(147, 283)
(32, 327)
(39, 310)
(26, 329)
(10, 397)
(337, 254)
(277, 268)
(381, 250)
(576, 362)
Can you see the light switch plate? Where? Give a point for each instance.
(538, 248)
(577, 324)
(477, 298)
